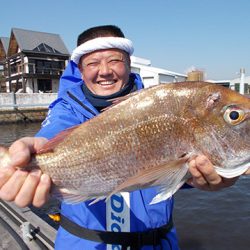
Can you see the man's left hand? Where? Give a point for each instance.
(205, 177)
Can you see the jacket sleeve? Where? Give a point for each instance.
(60, 117)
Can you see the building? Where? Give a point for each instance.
(4, 43)
(225, 83)
(241, 84)
(152, 75)
(31, 61)
(235, 84)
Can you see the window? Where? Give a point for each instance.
(49, 67)
(39, 67)
(43, 47)
(44, 85)
(237, 87)
(13, 68)
(246, 88)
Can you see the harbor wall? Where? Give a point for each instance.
(23, 107)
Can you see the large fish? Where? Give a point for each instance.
(146, 140)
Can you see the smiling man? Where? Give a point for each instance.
(105, 72)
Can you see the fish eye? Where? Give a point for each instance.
(234, 115)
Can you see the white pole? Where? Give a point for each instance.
(242, 80)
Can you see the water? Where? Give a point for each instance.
(204, 220)
(214, 220)
(11, 132)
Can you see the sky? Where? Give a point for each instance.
(176, 35)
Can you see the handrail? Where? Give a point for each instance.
(24, 105)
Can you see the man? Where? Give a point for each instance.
(102, 61)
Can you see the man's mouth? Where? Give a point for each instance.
(106, 83)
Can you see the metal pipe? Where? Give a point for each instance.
(242, 81)
(14, 234)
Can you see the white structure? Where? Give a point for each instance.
(242, 81)
(225, 83)
(241, 84)
(152, 75)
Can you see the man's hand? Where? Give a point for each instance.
(247, 172)
(19, 185)
(205, 177)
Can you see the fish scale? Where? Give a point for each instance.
(146, 140)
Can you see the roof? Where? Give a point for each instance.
(246, 79)
(157, 70)
(28, 40)
(5, 43)
(145, 64)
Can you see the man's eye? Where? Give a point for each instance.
(92, 64)
(115, 61)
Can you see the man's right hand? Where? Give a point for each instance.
(19, 185)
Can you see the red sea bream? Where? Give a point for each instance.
(146, 140)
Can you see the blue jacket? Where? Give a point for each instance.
(123, 212)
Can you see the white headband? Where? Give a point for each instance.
(102, 43)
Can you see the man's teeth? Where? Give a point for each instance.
(106, 83)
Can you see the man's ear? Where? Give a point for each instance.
(129, 61)
(79, 65)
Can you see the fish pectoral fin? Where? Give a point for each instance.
(96, 200)
(168, 177)
(171, 184)
(231, 173)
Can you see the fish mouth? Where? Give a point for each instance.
(231, 173)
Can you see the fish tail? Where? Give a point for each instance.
(4, 157)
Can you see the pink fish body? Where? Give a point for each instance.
(147, 139)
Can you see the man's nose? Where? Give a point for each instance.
(104, 68)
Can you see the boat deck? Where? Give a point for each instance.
(21, 228)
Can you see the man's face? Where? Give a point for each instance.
(105, 72)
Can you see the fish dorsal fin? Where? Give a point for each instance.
(52, 143)
(164, 175)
